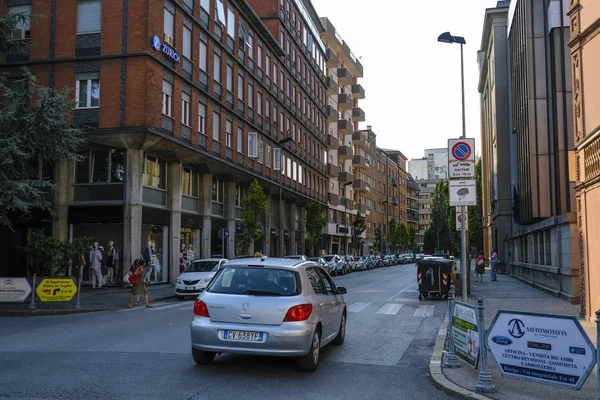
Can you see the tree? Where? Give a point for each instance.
(35, 133)
(440, 210)
(394, 234)
(429, 241)
(359, 228)
(254, 203)
(377, 240)
(412, 238)
(51, 256)
(316, 220)
(403, 236)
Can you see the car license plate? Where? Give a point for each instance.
(243, 335)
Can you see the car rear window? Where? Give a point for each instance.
(255, 281)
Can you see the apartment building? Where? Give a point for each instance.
(412, 207)
(426, 190)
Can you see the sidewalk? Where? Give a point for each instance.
(105, 299)
(510, 294)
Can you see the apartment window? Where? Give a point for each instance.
(275, 73)
(275, 113)
(218, 190)
(167, 104)
(259, 103)
(87, 90)
(281, 120)
(203, 56)
(229, 78)
(240, 87)
(187, 42)
(205, 4)
(294, 171)
(169, 23)
(259, 144)
(250, 50)
(23, 28)
(281, 39)
(240, 140)
(268, 155)
(277, 159)
(155, 172)
(185, 109)
(230, 22)
(268, 109)
(220, 13)
(217, 68)
(250, 95)
(287, 87)
(268, 64)
(259, 55)
(287, 47)
(228, 129)
(281, 77)
(89, 13)
(202, 118)
(189, 182)
(216, 125)
(101, 166)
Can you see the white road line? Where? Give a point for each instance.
(402, 291)
(390, 309)
(358, 307)
(424, 311)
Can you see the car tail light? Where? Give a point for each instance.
(298, 313)
(200, 309)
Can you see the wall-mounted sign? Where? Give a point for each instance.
(168, 51)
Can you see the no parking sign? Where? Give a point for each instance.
(461, 158)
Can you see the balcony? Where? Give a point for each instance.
(347, 203)
(332, 114)
(360, 185)
(393, 181)
(359, 139)
(359, 161)
(332, 86)
(345, 152)
(358, 115)
(332, 170)
(344, 102)
(394, 200)
(344, 127)
(344, 77)
(333, 199)
(362, 208)
(358, 92)
(345, 177)
(332, 59)
(332, 142)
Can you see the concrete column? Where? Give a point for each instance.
(293, 213)
(267, 226)
(175, 188)
(302, 212)
(132, 210)
(206, 211)
(62, 199)
(230, 215)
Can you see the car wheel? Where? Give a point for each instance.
(341, 336)
(202, 357)
(310, 361)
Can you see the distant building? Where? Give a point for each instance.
(434, 165)
(417, 168)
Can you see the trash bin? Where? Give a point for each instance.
(433, 278)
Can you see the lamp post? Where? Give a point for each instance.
(281, 168)
(446, 37)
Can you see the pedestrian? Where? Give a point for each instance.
(96, 267)
(258, 254)
(494, 263)
(139, 287)
(480, 267)
(132, 269)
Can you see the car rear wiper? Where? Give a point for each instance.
(262, 292)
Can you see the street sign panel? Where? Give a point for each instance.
(223, 233)
(542, 348)
(56, 289)
(463, 192)
(459, 221)
(461, 158)
(14, 290)
(465, 332)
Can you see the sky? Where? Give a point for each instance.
(411, 81)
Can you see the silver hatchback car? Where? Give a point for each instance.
(269, 306)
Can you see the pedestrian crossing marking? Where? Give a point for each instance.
(424, 311)
(358, 307)
(390, 309)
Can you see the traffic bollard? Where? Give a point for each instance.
(484, 383)
(597, 354)
(32, 304)
(78, 303)
(450, 359)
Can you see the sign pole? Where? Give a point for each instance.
(598, 354)
(78, 303)
(484, 383)
(450, 360)
(32, 304)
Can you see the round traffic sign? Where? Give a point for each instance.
(459, 218)
(461, 151)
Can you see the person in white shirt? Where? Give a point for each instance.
(494, 263)
(96, 266)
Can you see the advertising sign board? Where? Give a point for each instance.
(465, 332)
(14, 290)
(56, 289)
(542, 348)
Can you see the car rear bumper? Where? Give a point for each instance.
(287, 339)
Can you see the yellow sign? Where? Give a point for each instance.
(56, 289)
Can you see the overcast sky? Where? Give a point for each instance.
(412, 82)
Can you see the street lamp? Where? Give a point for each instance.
(279, 150)
(446, 37)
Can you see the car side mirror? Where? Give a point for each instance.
(341, 290)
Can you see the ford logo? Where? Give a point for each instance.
(501, 340)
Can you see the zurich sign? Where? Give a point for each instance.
(168, 51)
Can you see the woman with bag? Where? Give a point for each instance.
(139, 288)
(480, 267)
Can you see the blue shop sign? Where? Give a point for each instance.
(158, 46)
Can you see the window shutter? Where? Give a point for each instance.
(167, 88)
(187, 43)
(169, 17)
(89, 16)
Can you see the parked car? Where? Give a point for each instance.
(395, 260)
(297, 257)
(273, 307)
(350, 263)
(361, 264)
(321, 262)
(194, 279)
(387, 261)
(336, 264)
